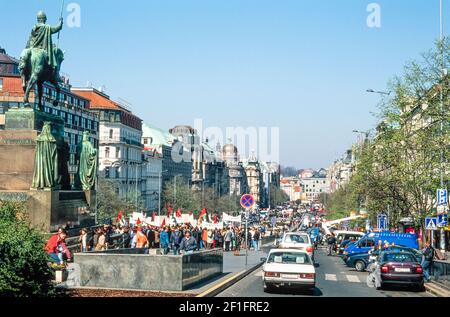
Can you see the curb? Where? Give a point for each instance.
(219, 288)
(436, 290)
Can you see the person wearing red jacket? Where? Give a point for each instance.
(56, 247)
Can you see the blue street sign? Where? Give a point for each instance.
(382, 222)
(442, 220)
(442, 197)
(431, 223)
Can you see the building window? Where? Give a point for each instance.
(1, 83)
(107, 152)
(118, 172)
(111, 133)
(145, 141)
(117, 152)
(83, 123)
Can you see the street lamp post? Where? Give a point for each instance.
(175, 189)
(159, 191)
(443, 74)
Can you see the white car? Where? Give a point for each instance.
(297, 240)
(289, 268)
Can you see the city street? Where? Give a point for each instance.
(334, 279)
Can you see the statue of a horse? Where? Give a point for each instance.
(35, 70)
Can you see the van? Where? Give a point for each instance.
(342, 236)
(370, 240)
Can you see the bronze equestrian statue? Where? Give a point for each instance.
(41, 60)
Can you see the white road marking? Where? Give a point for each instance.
(331, 277)
(353, 279)
(259, 274)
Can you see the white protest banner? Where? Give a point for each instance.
(227, 218)
(212, 226)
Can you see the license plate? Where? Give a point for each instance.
(402, 270)
(289, 276)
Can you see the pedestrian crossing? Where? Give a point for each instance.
(335, 278)
(343, 278)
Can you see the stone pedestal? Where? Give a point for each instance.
(18, 147)
(18, 119)
(47, 209)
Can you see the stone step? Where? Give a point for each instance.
(437, 289)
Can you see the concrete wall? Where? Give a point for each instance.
(126, 269)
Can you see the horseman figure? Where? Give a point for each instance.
(41, 61)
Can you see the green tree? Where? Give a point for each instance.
(277, 196)
(399, 169)
(110, 203)
(24, 271)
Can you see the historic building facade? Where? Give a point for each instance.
(120, 150)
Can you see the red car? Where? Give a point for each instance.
(400, 268)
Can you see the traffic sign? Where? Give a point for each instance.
(431, 223)
(442, 197)
(442, 220)
(382, 222)
(247, 201)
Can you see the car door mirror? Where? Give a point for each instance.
(263, 259)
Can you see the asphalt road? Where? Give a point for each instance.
(334, 279)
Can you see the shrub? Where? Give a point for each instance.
(23, 262)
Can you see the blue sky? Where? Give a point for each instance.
(301, 65)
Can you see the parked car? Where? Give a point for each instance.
(399, 268)
(288, 268)
(298, 240)
(361, 261)
(370, 240)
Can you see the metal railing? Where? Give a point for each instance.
(440, 272)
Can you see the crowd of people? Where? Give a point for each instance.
(173, 239)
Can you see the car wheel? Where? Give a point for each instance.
(360, 266)
(268, 288)
(421, 288)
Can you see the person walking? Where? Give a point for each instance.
(427, 261)
(175, 240)
(256, 239)
(227, 238)
(151, 237)
(83, 240)
(210, 241)
(141, 239)
(164, 240)
(157, 233)
(188, 244)
(204, 239)
(101, 243)
(331, 243)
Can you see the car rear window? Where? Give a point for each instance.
(399, 257)
(296, 238)
(289, 258)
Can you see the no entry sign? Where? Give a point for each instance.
(247, 201)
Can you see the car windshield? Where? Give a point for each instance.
(296, 238)
(289, 258)
(399, 257)
(352, 237)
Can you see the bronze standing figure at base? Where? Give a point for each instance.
(46, 160)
